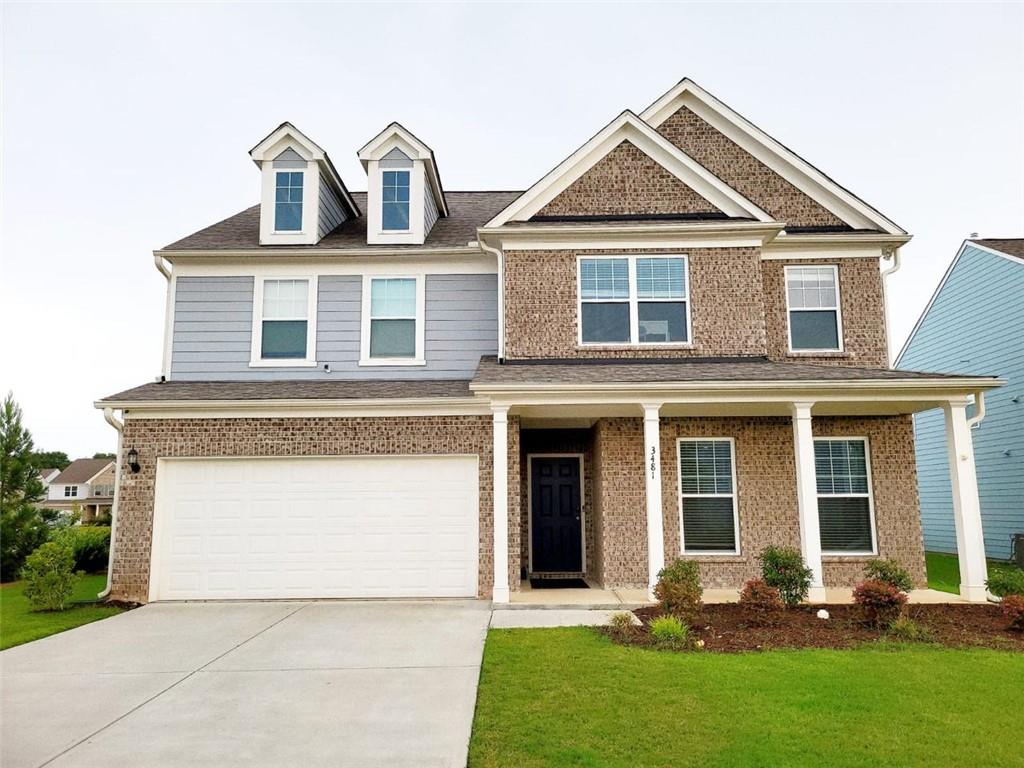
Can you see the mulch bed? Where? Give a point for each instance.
(728, 628)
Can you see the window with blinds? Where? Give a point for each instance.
(844, 496)
(707, 492)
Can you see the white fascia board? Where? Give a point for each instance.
(646, 235)
(773, 154)
(286, 133)
(471, 264)
(318, 254)
(839, 245)
(629, 127)
(170, 409)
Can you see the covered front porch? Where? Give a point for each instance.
(599, 482)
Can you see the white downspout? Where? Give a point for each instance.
(500, 256)
(979, 410)
(896, 264)
(161, 265)
(108, 414)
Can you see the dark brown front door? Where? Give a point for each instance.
(555, 500)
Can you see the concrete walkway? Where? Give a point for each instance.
(249, 684)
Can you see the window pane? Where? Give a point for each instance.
(605, 322)
(395, 216)
(604, 279)
(817, 329)
(662, 321)
(393, 297)
(705, 466)
(285, 299)
(708, 525)
(288, 217)
(845, 524)
(660, 279)
(284, 339)
(392, 338)
(841, 466)
(288, 201)
(395, 200)
(811, 287)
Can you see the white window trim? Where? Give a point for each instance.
(364, 324)
(734, 496)
(255, 358)
(408, 229)
(790, 310)
(634, 303)
(870, 496)
(274, 230)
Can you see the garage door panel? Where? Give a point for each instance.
(316, 527)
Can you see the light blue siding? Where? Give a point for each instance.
(976, 326)
(213, 329)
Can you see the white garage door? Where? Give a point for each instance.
(396, 526)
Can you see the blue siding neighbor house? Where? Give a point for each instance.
(974, 323)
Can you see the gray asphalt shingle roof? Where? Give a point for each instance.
(1012, 246)
(80, 470)
(336, 389)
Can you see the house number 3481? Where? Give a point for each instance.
(654, 460)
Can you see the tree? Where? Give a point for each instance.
(104, 455)
(23, 525)
(49, 459)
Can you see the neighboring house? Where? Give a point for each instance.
(671, 345)
(974, 323)
(46, 477)
(86, 485)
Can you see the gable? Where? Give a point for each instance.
(627, 182)
(743, 172)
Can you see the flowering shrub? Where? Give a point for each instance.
(1013, 610)
(679, 591)
(880, 601)
(760, 601)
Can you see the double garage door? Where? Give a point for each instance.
(394, 526)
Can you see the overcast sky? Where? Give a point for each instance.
(126, 127)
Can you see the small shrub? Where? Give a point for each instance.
(760, 600)
(890, 572)
(89, 544)
(669, 631)
(50, 577)
(784, 569)
(1013, 610)
(679, 591)
(622, 624)
(880, 602)
(1006, 581)
(909, 631)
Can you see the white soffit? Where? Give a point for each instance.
(797, 171)
(629, 127)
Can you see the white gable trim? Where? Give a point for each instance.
(396, 135)
(941, 285)
(797, 171)
(629, 127)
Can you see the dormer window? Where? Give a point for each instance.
(288, 201)
(395, 200)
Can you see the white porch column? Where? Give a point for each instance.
(970, 544)
(807, 498)
(500, 463)
(652, 478)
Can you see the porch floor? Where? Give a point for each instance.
(623, 598)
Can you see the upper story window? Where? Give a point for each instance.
(288, 201)
(395, 204)
(634, 300)
(812, 300)
(707, 492)
(392, 321)
(284, 330)
(70, 491)
(845, 513)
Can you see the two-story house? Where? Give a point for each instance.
(672, 345)
(86, 485)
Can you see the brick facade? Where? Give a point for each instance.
(320, 436)
(743, 172)
(726, 305)
(626, 181)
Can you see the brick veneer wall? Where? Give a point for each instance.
(766, 485)
(621, 502)
(626, 181)
(726, 305)
(860, 300)
(320, 436)
(743, 172)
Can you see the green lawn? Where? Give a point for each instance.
(944, 571)
(19, 624)
(570, 697)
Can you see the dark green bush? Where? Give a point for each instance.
(890, 572)
(784, 569)
(679, 591)
(89, 545)
(50, 577)
(1006, 581)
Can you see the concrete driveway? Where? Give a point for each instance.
(249, 684)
